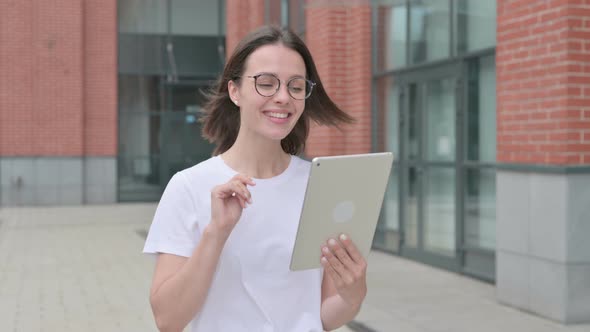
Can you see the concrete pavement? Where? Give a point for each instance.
(81, 269)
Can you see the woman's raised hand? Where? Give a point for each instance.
(227, 202)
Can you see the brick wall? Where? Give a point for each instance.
(543, 81)
(100, 78)
(242, 16)
(338, 33)
(58, 91)
(383, 84)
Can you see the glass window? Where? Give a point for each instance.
(387, 236)
(481, 112)
(429, 30)
(412, 208)
(190, 17)
(389, 105)
(140, 93)
(138, 162)
(391, 203)
(392, 35)
(167, 52)
(475, 25)
(440, 120)
(439, 211)
(413, 132)
(142, 16)
(480, 208)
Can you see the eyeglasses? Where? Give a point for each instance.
(267, 85)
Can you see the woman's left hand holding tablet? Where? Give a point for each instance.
(347, 268)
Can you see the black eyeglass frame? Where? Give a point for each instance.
(309, 82)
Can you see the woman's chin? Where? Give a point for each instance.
(277, 135)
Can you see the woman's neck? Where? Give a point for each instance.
(257, 157)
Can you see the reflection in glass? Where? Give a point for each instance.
(429, 30)
(392, 35)
(182, 145)
(387, 236)
(475, 26)
(411, 209)
(389, 105)
(481, 112)
(139, 149)
(167, 52)
(440, 120)
(391, 206)
(480, 208)
(392, 129)
(413, 138)
(140, 93)
(142, 16)
(439, 211)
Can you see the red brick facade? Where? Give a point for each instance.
(58, 95)
(100, 78)
(242, 16)
(339, 37)
(58, 92)
(543, 81)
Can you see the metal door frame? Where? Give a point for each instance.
(418, 78)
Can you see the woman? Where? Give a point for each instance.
(224, 229)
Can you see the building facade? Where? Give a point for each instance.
(485, 104)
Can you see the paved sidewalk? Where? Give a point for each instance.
(81, 269)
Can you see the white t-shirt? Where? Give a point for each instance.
(253, 288)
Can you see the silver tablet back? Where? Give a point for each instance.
(344, 195)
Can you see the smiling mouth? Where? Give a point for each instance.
(277, 115)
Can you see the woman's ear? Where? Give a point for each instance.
(234, 92)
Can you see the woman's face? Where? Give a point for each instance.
(270, 117)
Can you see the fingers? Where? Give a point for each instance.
(336, 268)
(244, 179)
(344, 258)
(352, 250)
(237, 188)
(340, 253)
(331, 272)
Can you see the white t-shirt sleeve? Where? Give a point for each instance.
(174, 229)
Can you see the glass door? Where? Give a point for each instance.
(180, 137)
(428, 166)
(168, 52)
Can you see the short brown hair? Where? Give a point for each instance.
(221, 118)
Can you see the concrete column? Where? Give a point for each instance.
(543, 196)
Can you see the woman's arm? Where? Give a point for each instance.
(344, 285)
(180, 284)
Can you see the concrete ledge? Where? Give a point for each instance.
(57, 181)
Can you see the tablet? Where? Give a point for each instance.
(344, 195)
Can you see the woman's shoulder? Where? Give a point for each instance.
(205, 169)
(301, 164)
(301, 161)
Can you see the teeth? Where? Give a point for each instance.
(278, 115)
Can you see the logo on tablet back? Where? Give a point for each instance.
(343, 212)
